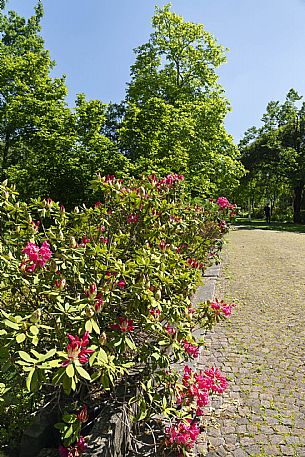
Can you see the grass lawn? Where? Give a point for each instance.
(262, 224)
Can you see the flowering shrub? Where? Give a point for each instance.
(90, 294)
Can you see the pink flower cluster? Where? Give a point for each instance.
(182, 247)
(197, 387)
(37, 256)
(94, 296)
(75, 450)
(167, 181)
(132, 219)
(191, 349)
(155, 312)
(194, 395)
(77, 349)
(224, 203)
(195, 264)
(182, 435)
(124, 325)
(169, 330)
(221, 307)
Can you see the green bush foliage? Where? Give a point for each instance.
(90, 294)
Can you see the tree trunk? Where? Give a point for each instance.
(297, 200)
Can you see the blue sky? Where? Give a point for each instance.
(92, 42)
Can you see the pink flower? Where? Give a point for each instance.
(218, 382)
(223, 202)
(124, 325)
(216, 306)
(121, 284)
(98, 303)
(38, 256)
(91, 293)
(194, 263)
(35, 225)
(84, 241)
(81, 444)
(223, 226)
(75, 450)
(155, 312)
(76, 349)
(227, 310)
(132, 219)
(191, 349)
(162, 245)
(182, 434)
(170, 330)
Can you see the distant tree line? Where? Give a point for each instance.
(274, 157)
(171, 120)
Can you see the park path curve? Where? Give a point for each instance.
(261, 348)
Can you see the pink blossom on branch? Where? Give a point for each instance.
(77, 349)
(124, 325)
(37, 256)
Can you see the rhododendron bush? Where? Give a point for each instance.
(89, 295)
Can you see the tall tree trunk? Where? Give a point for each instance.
(297, 201)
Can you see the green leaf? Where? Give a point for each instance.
(95, 326)
(32, 382)
(20, 337)
(34, 330)
(102, 356)
(70, 370)
(88, 326)
(11, 324)
(25, 356)
(83, 373)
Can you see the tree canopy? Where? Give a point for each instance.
(172, 118)
(275, 152)
(175, 109)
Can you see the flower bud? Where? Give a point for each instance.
(158, 294)
(35, 316)
(73, 242)
(89, 311)
(103, 339)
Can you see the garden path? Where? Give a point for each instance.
(261, 348)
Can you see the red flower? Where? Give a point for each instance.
(76, 349)
(121, 284)
(124, 325)
(132, 219)
(82, 416)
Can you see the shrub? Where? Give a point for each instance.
(89, 295)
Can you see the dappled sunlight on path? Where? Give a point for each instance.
(262, 347)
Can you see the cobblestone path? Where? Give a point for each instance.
(261, 348)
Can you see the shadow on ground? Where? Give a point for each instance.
(245, 224)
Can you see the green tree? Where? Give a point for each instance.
(276, 151)
(175, 109)
(46, 148)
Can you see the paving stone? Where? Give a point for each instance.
(261, 348)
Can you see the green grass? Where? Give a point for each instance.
(261, 224)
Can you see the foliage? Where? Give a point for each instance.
(274, 154)
(87, 295)
(174, 108)
(46, 148)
